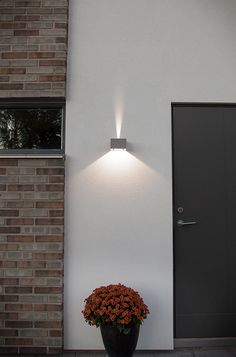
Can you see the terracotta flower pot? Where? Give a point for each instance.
(120, 344)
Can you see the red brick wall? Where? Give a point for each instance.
(31, 255)
(33, 48)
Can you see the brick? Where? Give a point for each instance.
(52, 63)
(20, 238)
(19, 341)
(52, 78)
(32, 3)
(53, 47)
(40, 25)
(56, 213)
(49, 195)
(9, 298)
(49, 238)
(49, 246)
(19, 324)
(52, 32)
(19, 221)
(24, 63)
(8, 247)
(6, 3)
(55, 298)
(12, 25)
(60, 10)
(47, 324)
(35, 230)
(26, 32)
(25, 47)
(60, 40)
(40, 40)
(6, 33)
(9, 281)
(37, 70)
(59, 70)
(55, 281)
(8, 332)
(11, 86)
(56, 179)
(42, 55)
(9, 264)
(49, 187)
(21, 171)
(48, 290)
(9, 230)
(35, 212)
(48, 272)
(8, 350)
(6, 18)
(55, 333)
(2, 171)
(18, 272)
(8, 316)
(18, 307)
(60, 25)
(39, 10)
(13, 55)
(35, 333)
(54, 3)
(30, 264)
(50, 171)
(50, 204)
(20, 187)
(35, 86)
(47, 307)
(49, 221)
(10, 196)
(47, 256)
(18, 290)
(12, 70)
(24, 78)
(19, 255)
(54, 350)
(33, 350)
(13, 40)
(3, 187)
(60, 54)
(8, 47)
(20, 204)
(9, 213)
(8, 179)
(33, 179)
(4, 78)
(27, 18)
(35, 299)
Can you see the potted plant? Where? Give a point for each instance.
(118, 311)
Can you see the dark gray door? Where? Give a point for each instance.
(204, 163)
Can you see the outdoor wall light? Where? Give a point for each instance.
(118, 144)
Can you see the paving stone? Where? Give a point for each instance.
(215, 353)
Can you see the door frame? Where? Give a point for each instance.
(191, 342)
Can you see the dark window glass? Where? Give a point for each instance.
(30, 128)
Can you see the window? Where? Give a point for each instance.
(32, 126)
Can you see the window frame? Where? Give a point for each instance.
(27, 103)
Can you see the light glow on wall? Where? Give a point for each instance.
(119, 111)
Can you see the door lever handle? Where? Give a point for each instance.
(181, 223)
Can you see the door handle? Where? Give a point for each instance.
(181, 223)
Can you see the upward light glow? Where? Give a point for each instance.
(119, 112)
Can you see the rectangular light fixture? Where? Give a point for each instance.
(118, 144)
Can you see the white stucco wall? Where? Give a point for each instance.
(135, 57)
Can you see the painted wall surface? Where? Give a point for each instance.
(130, 59)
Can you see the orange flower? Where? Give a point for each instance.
(115, 305)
